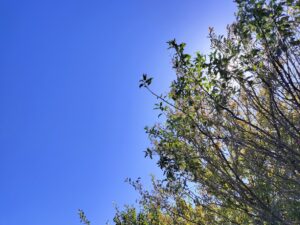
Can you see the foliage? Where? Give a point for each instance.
(229, 147)
(83, 218)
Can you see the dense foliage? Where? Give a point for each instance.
(230, 145)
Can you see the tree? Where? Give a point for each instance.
(230, 145)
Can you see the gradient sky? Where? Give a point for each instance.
(72, 115)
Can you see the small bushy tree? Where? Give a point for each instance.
(230, 145)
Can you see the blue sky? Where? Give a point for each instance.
(72, 115)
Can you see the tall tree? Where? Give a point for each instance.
(230, 145)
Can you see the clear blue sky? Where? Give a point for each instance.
(72, 115)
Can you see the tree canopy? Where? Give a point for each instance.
(230, 143)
